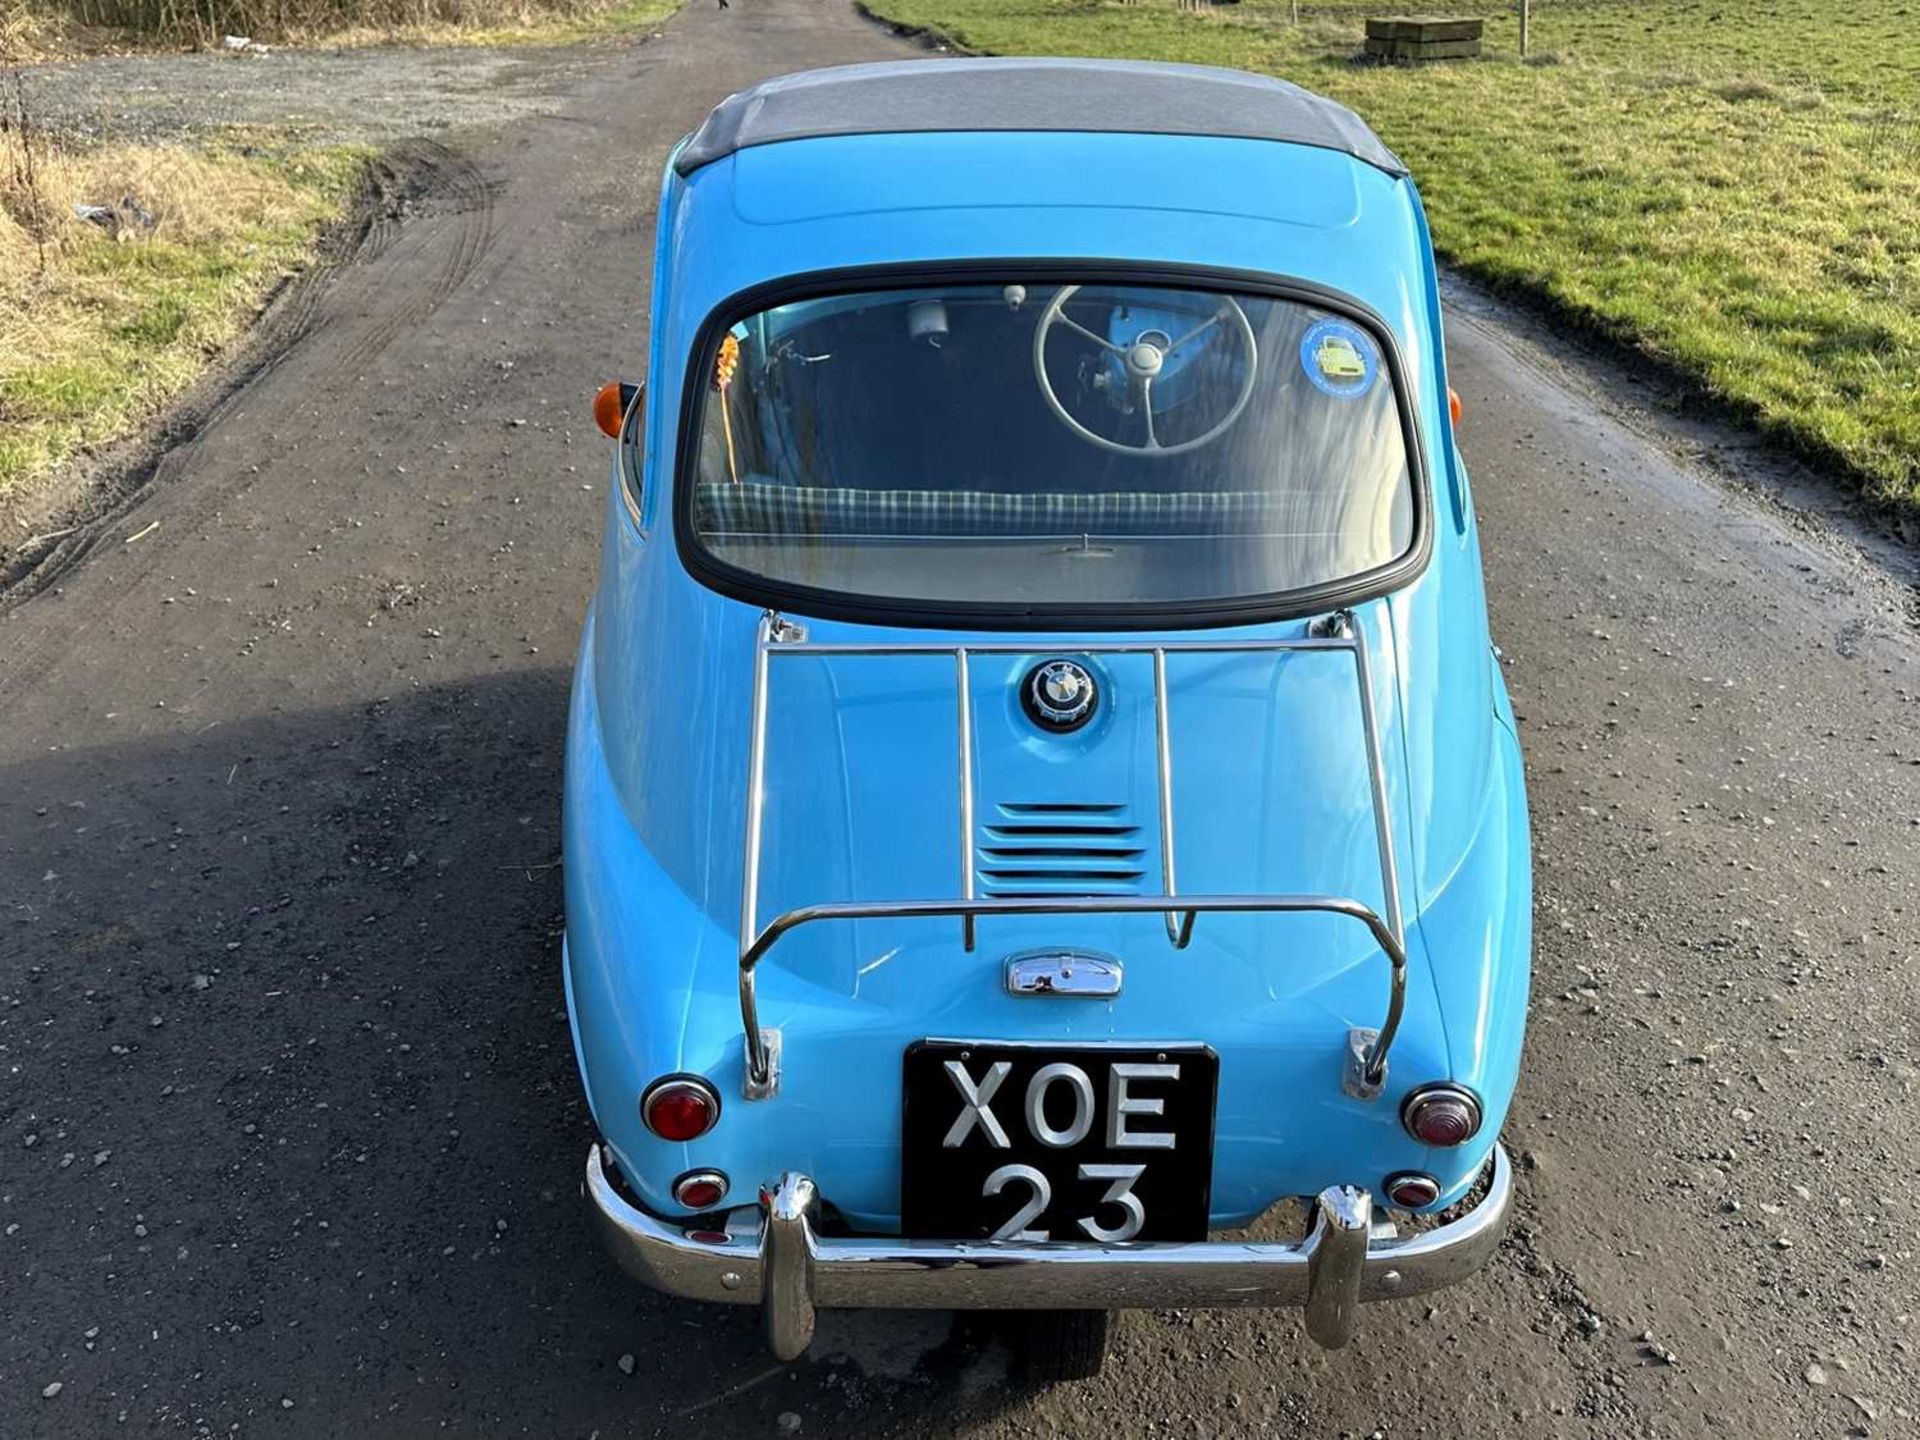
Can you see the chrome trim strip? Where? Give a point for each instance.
(756, 774)
(1072, 647)
(776, 638)
(623, 455)
(1179, 932)
(963, 690)
(785, 1264)
(760, 1082)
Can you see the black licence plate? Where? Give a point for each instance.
(1056, 1142)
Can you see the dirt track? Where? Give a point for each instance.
(368, 96)
(289, 1131)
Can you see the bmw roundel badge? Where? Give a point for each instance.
(1059, 695)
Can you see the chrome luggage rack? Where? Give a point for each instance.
(1366, 1054)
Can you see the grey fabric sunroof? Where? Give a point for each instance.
(1130, 97)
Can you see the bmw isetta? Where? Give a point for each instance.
(1039, 789)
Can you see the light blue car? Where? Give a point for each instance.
(1039, 791)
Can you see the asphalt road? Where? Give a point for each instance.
(289, 1129)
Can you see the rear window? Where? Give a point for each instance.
(1036, 445)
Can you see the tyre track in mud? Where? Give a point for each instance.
(279, 900)
(457, 223)
(338, 314)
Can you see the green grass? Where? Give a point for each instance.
(96, 334)
(1732, 188)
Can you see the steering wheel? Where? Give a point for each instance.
(1142, 362)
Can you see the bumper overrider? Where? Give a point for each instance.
(770, 1254)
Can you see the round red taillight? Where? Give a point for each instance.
(680, 1107)
(1441, 1115)
(1412, 1190)
(700, 1189)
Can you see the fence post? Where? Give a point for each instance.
(1526, 25)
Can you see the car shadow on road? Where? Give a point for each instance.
(291, 1048)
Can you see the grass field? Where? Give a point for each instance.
(1732, 187)
(97, 332)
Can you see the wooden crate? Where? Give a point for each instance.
(1423, 37)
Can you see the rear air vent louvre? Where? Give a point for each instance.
(1072, 848)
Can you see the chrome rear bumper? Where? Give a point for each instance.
(769, 1254)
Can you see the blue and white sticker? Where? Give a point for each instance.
(1339, 358)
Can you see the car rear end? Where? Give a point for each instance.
(1038, 795)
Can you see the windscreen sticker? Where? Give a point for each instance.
(1340, 358)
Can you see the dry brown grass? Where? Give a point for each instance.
(193, 198)
(43, 28)
(99, 330)
(96, 330)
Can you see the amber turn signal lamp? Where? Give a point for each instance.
(609, 408)
(1453, 404)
